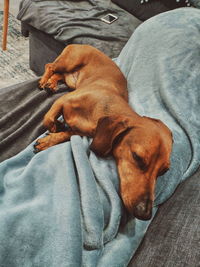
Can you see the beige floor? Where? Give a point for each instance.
(14, 6)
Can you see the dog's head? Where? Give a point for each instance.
(141, 148)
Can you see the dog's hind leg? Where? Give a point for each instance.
(69, 61)
(52, 82)
(46, 76)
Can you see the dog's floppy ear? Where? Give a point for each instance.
(107, 131)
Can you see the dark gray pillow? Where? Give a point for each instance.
(195, 3)
(144, 9)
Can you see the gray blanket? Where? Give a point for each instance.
(61, 207)
(79, 22)
(22, 108)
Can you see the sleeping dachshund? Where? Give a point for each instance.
(98, 108)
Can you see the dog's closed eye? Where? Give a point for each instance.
(140, 161)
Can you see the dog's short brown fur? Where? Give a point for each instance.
(98, 107)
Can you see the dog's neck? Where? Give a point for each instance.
(122, 109)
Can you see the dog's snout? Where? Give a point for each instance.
(143, 210)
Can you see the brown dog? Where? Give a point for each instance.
(98, 108)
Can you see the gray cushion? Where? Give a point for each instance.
(173, 238)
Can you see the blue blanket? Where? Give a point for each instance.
(61, 207)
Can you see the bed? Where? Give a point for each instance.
(61, 207)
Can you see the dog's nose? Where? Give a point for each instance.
(143, 210)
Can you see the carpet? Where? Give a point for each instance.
(14, 62)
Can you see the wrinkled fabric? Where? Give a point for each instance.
(80, 22)
(22, 108)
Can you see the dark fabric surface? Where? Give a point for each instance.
(22, 108)
(174, 3)
(43, 49)
(80, 22)
(173, 238)
(148, 9)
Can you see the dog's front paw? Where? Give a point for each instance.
(43, 143)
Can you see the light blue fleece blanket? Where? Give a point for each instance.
(61, 207)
